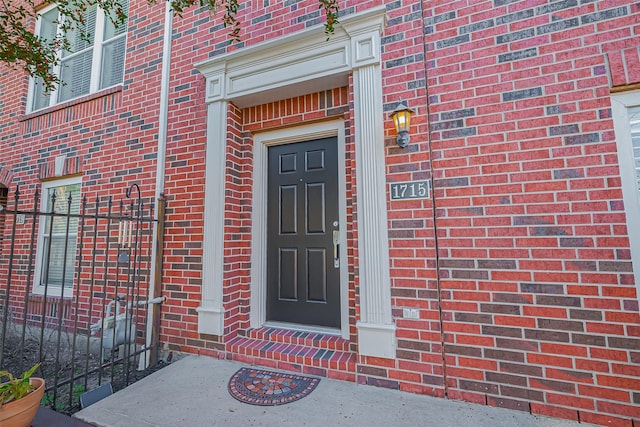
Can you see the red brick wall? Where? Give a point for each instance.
(519, 264)
(539, 305)
(109, 139)
(418, 366)
(184, 219)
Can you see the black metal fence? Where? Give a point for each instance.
(76, 292)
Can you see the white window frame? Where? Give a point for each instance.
(52, 290)
(98, 43)
(620, 105)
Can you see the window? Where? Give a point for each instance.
(53, 264)
(626, 119)
(92, 64)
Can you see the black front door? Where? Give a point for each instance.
(303, 269)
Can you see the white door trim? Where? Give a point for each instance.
(261, 143)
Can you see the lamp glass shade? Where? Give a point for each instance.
(402, 117)
(402, 120)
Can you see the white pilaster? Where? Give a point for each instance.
(211, 311)
(376, 330)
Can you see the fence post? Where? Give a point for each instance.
(157, 283)
(5, 304)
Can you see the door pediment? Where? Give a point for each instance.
(298, 64)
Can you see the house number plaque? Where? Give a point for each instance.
(410, 190)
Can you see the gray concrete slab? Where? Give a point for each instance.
(193, 392)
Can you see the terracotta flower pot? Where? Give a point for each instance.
(20, 413)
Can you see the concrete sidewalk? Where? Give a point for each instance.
(193, 392)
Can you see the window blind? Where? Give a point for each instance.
(54, 265)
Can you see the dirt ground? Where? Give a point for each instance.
(70, 365)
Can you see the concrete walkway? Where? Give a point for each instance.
(193, 392)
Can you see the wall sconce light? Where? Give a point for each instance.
(402, 119)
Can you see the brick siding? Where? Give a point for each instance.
(536, 279)
(519, 263)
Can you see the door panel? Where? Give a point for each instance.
(303, 282)
(317, 274)
(315, 207)
(288, 211)
(288, 274)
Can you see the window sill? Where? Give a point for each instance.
(72, 102)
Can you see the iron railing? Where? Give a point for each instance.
(95, 331)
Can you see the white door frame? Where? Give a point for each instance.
(261, 143)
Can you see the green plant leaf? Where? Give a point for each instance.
(15, 388)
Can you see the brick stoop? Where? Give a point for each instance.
(297, 351)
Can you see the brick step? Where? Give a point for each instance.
(311, 353)
(306, 339)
